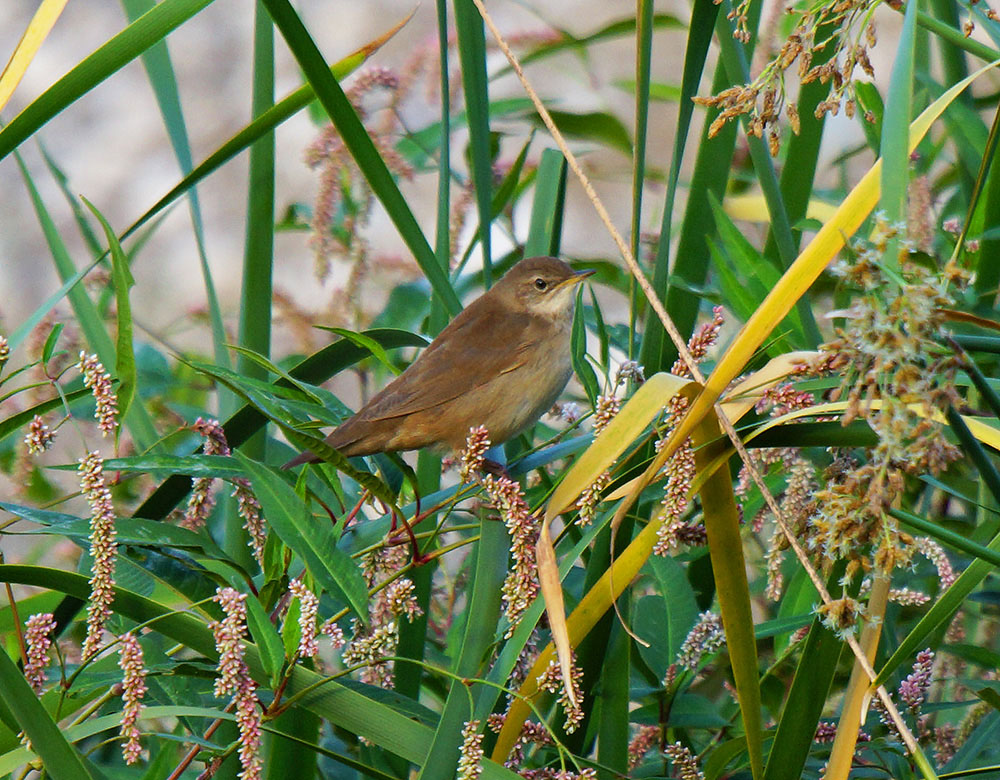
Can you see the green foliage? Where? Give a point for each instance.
(703, 644)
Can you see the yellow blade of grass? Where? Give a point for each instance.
(740, 399)
(725, 547)
(857, 696)
(752, 207)
(37, 31)
(647, 402)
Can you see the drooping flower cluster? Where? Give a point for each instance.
(679, 470)
(38, 640)
(308, 606)
(202, 500)
(685, 764)
(99, 382)
(645, 739)
(39, 436)
(473, 456)
(130, 660)
(551, 680)
(370, 646)
(704, 638)
(234, 678)
(913, 690)
(520, 586)
(103, 548)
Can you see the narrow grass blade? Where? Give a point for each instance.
(725, 545)
(472, 55)
(125, 369)
(895, 146)
(546, 208)
(38, 29)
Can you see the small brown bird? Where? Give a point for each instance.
(501, 363)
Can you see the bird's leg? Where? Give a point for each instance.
(418, 558)
(357, 508)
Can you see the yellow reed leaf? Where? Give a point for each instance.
(37, 31)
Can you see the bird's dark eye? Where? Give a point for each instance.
(541, 284)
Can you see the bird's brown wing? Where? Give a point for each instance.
(465, 356)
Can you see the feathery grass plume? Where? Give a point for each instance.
(897, 375)
(99, 382)
(39, 436)
(308, 606)
(841, 615)
(763, 99)
(470, 754)
(38, 641)
(130, 660)
(103, 548)
(234, 678)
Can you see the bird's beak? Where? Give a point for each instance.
(576, 278)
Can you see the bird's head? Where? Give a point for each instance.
(540, 286)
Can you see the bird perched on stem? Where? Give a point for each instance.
(501, 363)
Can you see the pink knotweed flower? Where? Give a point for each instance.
(102, 548)
(935, 553)
(629, 370)
(470, 754)
(38, 640)
(607, 406)
(99, 382)
(308, 606)
(913, 690)
(335, 632)
(643, 741)
(130, 659)
(826, 730)
(369, 650)
(908, 597)
(685, 765)
(39, 436)
(4, 350)
(591, 497)
(202, 501)
(235, 680)
(700, 342)
(702, 640)
(248, 507)
(474, 453)
(551, 680)
(680, 470)
(520, 586)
